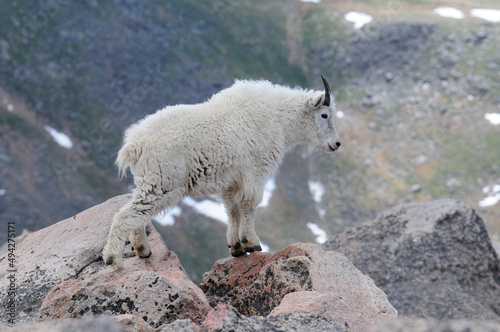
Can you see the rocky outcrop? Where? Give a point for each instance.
(60, 274)
(63, 284)
(433, 259)
(227, 318)
(300, 278)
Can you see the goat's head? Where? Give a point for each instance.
(322, 109)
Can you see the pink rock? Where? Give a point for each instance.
(300, 278)
(358, 316)
(215, 320)
(60, 274)
(132, 323)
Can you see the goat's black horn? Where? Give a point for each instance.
(327, 92)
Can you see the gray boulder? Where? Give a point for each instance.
(227, 318)
(87, 324)
(432, 259)
(433, 325)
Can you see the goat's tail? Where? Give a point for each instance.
(127, 157)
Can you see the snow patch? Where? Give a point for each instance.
(167, 217)
(3, 192)
(321, 236)
(61, 138)
(209, 208)
(9, 106)
(493, 198)
(313, 1)
(265, 247)
(493, 118)
(449, 12)
(359, 19)
(268, 192)
(490, 15)
(317, 190)
(340, 114)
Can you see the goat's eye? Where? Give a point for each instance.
(324, 116)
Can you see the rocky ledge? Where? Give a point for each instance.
(434, 260)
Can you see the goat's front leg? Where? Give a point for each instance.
(246, 231)
(234, 214)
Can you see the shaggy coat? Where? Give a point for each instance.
(228, 146)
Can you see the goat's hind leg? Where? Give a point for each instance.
(125, 221)
(130, 223)
(140, 242)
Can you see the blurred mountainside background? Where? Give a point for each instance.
(418, 86)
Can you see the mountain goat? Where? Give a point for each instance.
(228, 146)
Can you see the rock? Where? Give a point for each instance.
(17, 240)
(371, 101)
(416, 188)
(301, 277)
(431, 325)
(480, 34)
(452, 184)
(132, 323)
(496, 246)
(93, 324)
(343, 310)
(388, 76)
(227, 318)
(433, 259)
(181, 325)
(60, 274)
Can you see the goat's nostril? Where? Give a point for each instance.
(338, 144)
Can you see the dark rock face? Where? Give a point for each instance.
(432, 259)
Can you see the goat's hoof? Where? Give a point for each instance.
(109, 261)
(238, 253)
(146, 256)
(143, 252)
(255, 248)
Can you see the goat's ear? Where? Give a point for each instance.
(316, 101)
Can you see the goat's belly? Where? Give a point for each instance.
(209, 182)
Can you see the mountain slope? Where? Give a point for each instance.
(414, 89)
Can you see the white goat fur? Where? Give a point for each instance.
(228, 146)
